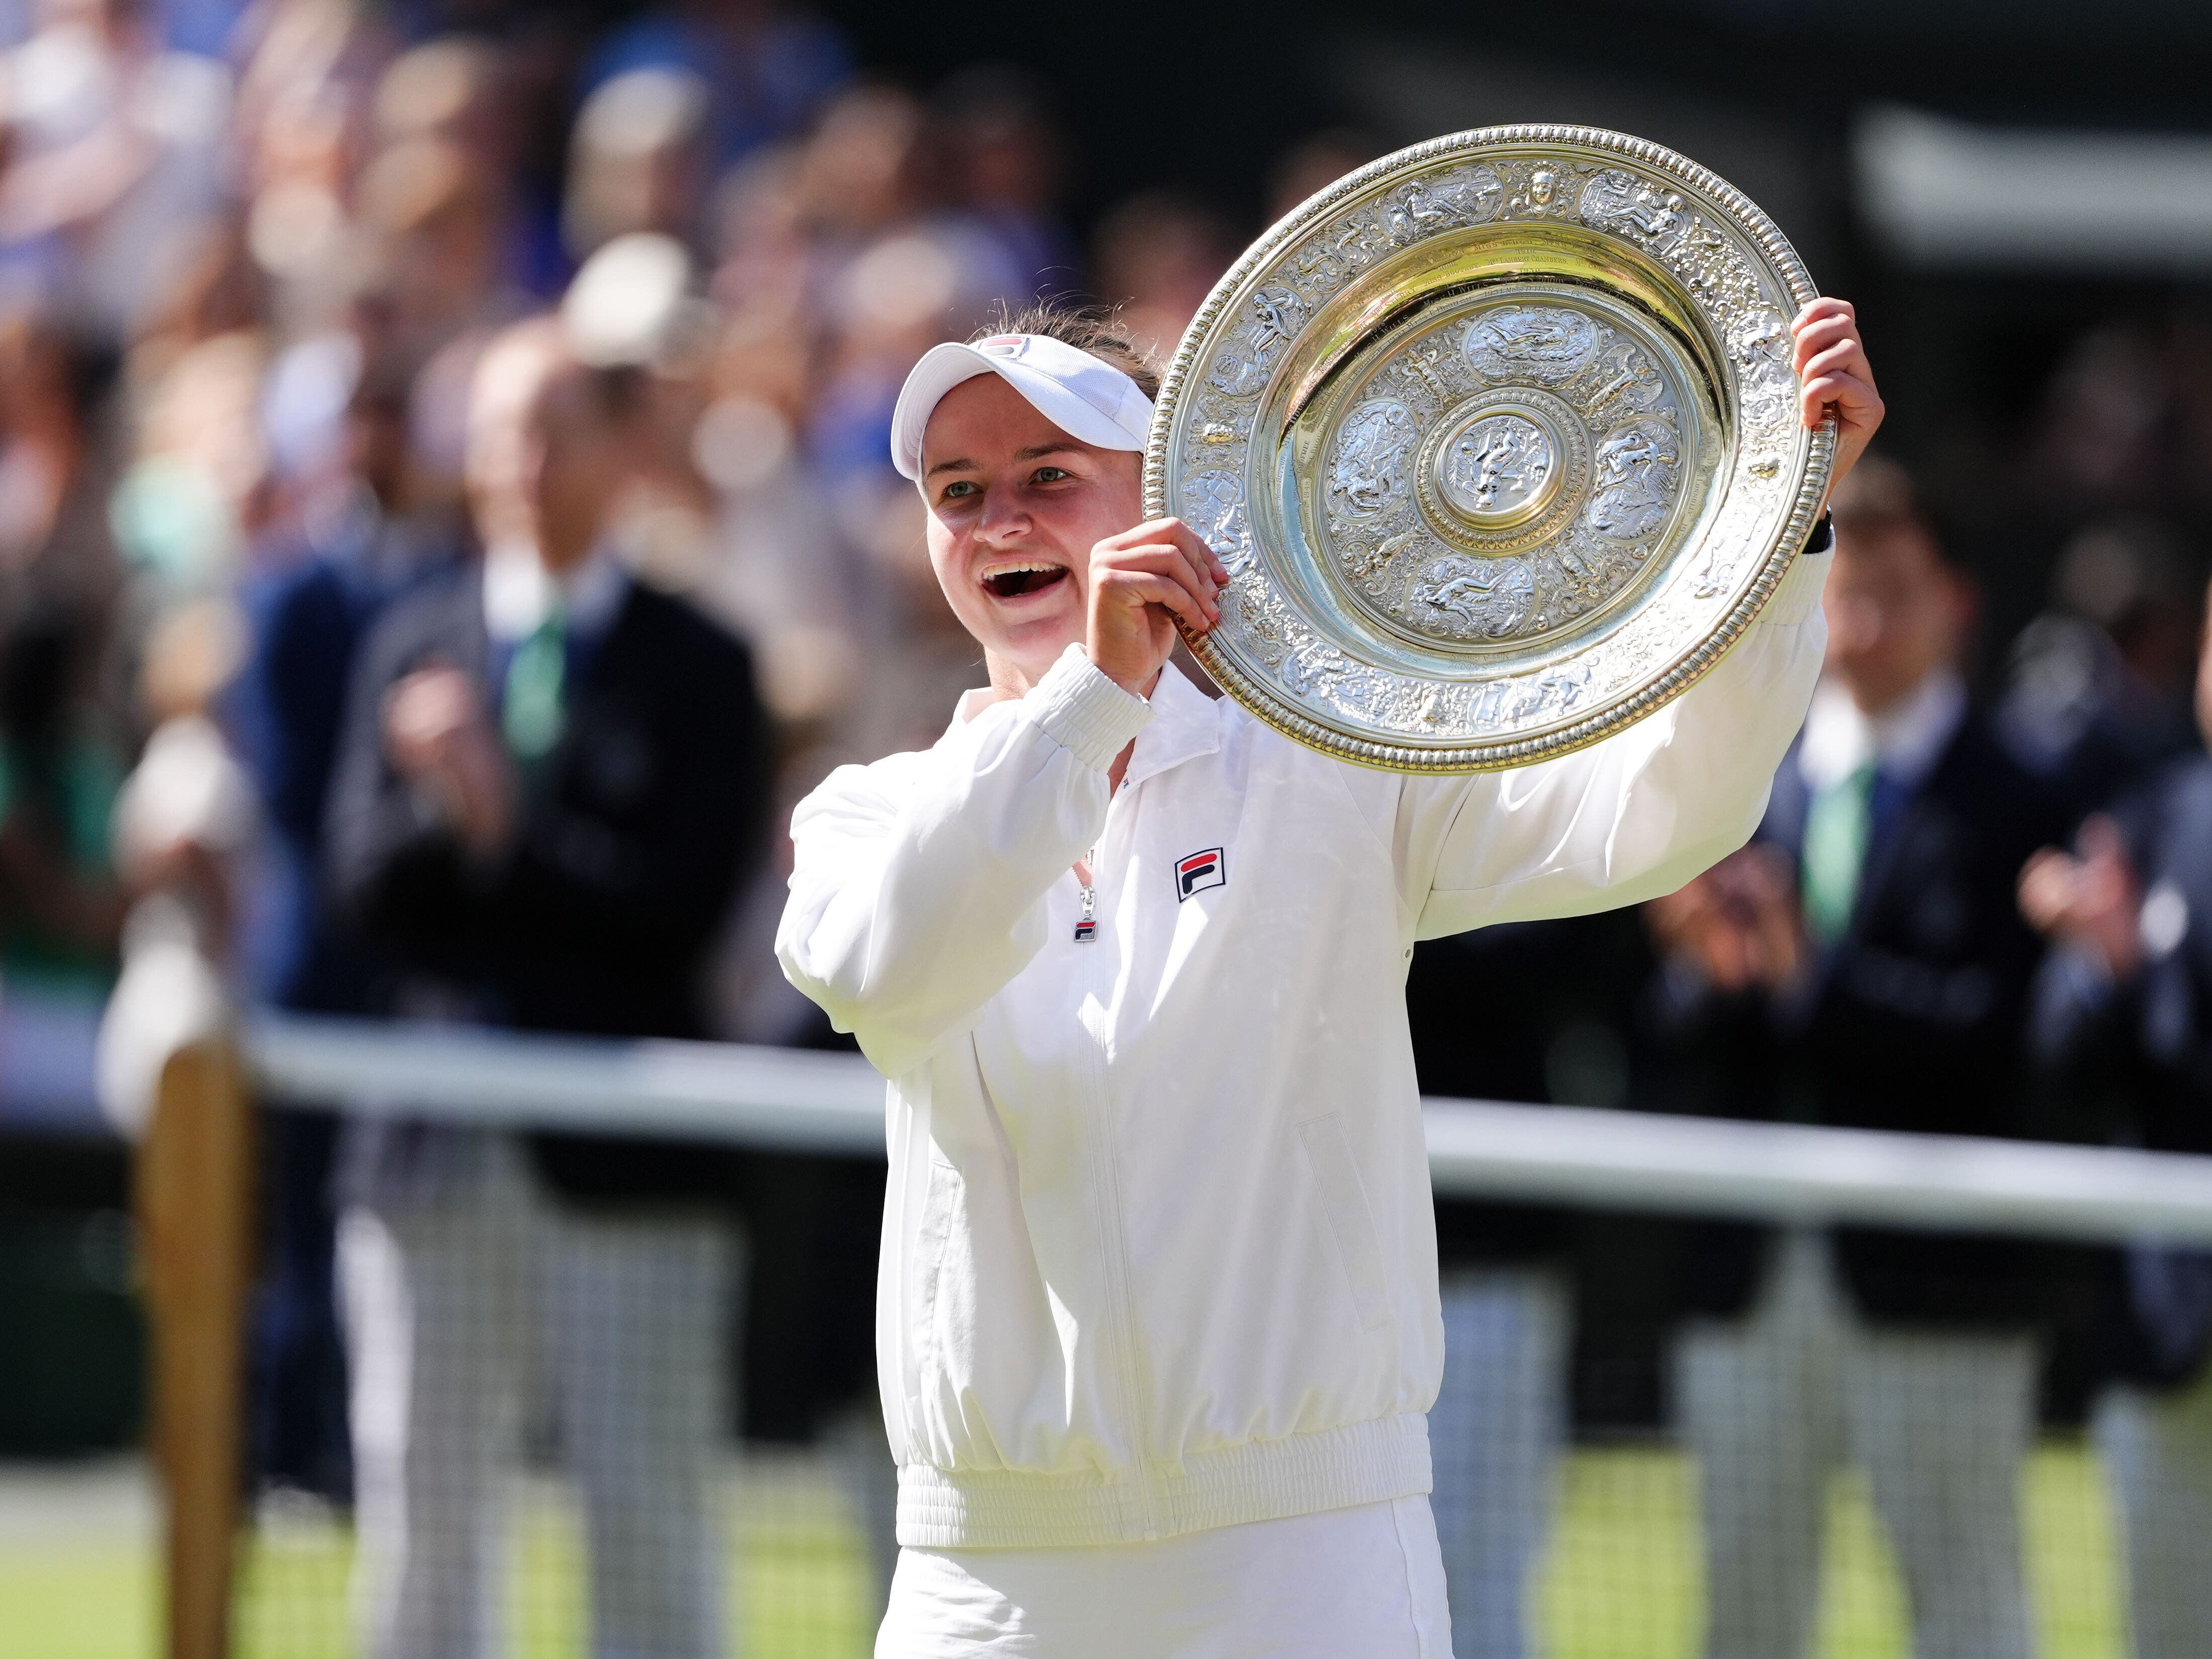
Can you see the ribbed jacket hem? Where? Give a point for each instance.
(1084, 712)
(1370, 1462)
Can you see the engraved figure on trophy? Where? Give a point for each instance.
(1636, 468)
(1237, 376)
(1316, 272)
(1556, 690)
(1713, 269)
(1222, 421)
(1424, 375)
(1353, 240)
(1368, 476)
(1559, 688)
(1759, 345)
(1547, 192)
(1278, 314)
(1314, 670)
(1425, 207)
(1469, 598)
(1260, 615)
(1371, 566)
(1621, 201)
(1544, 343)
(1214, 503)
(1497, 466)
(1623, 372)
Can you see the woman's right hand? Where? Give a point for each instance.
(1140, 581)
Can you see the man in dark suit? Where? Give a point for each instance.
(553, 779)
(1866, 951)
(2123, 1021)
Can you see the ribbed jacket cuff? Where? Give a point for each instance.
(1084, 712)
(1799, 596)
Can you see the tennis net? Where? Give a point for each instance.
(1668, 1426)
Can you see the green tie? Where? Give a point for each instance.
(1835, 850)
(536, 712)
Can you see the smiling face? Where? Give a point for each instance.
(1015, 506)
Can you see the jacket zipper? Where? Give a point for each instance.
(1124, 1336)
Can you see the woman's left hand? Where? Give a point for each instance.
(1833, 379)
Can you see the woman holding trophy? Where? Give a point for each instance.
(1157, 1321)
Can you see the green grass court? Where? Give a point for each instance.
(77, 1579)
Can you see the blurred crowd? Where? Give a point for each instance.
(413, 422)
(248, 263)
(445, 519)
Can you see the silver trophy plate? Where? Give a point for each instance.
(1498, 439)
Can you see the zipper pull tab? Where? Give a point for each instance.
(1086, 923)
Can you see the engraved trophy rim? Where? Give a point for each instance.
(1780, 522)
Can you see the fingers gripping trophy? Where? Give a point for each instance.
(1489, 485)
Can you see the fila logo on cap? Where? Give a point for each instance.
(1200, 872)
(1003, 345)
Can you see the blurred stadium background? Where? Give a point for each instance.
(249, 254)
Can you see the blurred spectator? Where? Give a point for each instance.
(504, 102)
(113, 153)
(551, 781)
(1156, 257)
(2124, 1019)
(434, 217)
(362, 545)
(458, 89)
(434, 220)
(197, 491)
(1002, 162)
(186, 811)
(55, 468)
(61, 905)
(216, 289)
(2099, 686)
(1868, 946)
(889, 280)
(638, 161)
(184, 825)
(2126, 422)
(768, 69)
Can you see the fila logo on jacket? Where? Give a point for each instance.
(1199, 872)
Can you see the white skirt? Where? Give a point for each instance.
(1368, 1582)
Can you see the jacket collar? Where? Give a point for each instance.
(1185, 723)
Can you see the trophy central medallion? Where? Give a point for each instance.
(1504, 469)
(1498, 467)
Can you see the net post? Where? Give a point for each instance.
(194, 1187)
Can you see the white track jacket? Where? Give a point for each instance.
(1159, 1253)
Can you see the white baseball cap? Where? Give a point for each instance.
(1084, 397)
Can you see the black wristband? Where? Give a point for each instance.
(1823, 536)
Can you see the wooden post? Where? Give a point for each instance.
(194, 1201)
